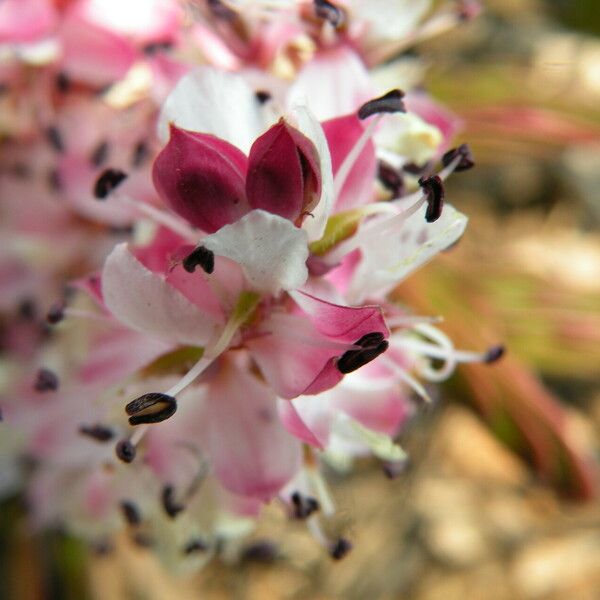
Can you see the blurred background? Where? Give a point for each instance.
(500, 499)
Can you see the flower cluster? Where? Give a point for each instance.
(227, 327)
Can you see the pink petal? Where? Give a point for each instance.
(342, 134)
(94, 54)
(293, 357)
(25, 20)
(314, 432)
(145, 302)
(251, 452)
(201, 178)
(283, 172)
(342, 323)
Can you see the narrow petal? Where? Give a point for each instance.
(251, 452)
(283, 172)
(201, 178)
(308, 125)
(145, 302)
(342, 134)
(342, 323)
(293, 357)
(270, 249)
(396, 254)
(212, 101)
(309, 418)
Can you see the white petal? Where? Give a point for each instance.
(270, 249)
(390, 258)
(307, 124)
(145, 302)
(213, 101)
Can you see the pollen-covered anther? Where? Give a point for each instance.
(56, 313)
(329, 12)
(388, 103)
(46, 381)
(100, 433)
(340, 548)
(131, 512)
(151, 408)
(466, 161)
(125, 451)
(170, 504)
(371, 346)
(494, 354)
(304, 506)
(200, 256)
(434, 188)
(108, 180)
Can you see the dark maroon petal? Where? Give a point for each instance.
(283, 172)
(201, 178)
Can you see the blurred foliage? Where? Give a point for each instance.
(578, 14)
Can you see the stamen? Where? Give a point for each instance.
(55, 139)
(390, 178)
(46, 381)
(100, 433)
(141, 539)
(372, 345)
(171, 506)
(125, 451)
(388, 103)
(408, 379)
(434, 189)
(99, 154)
(56, 313)
(202, 257)
(195, 545)
(107, 182)
(304, 506)
(340, 548)
(262, 96)
(62, 82)
(131, 513)
(261, 551)
(140, 154)
(394, 469)
(329, 12)
(151, 408)
(463, 152)
(494, 354)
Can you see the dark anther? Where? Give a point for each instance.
(56, 313)
(466, 161)
(131, 512)
(102, 547)
(199, 256)
(27, 309)
(262, 96)
(494, 354)
(125, 451)
(55, 139)
(329, 12)
(221, 10)
(372, 345)
(261, 551)
(415, 169)
(340, 548)
(388, 103)
(140, 154)
(53, 180)
(155, 47)
(195, 545)
(63, 83)
(171, 506)
(46, 381)
(370, 339)
(390, 178)
(99, 154)
(107, 182)
(434, 188)
(141, 539)
(100, 433)
(151, 408)
(393, 469)
(304, 506)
